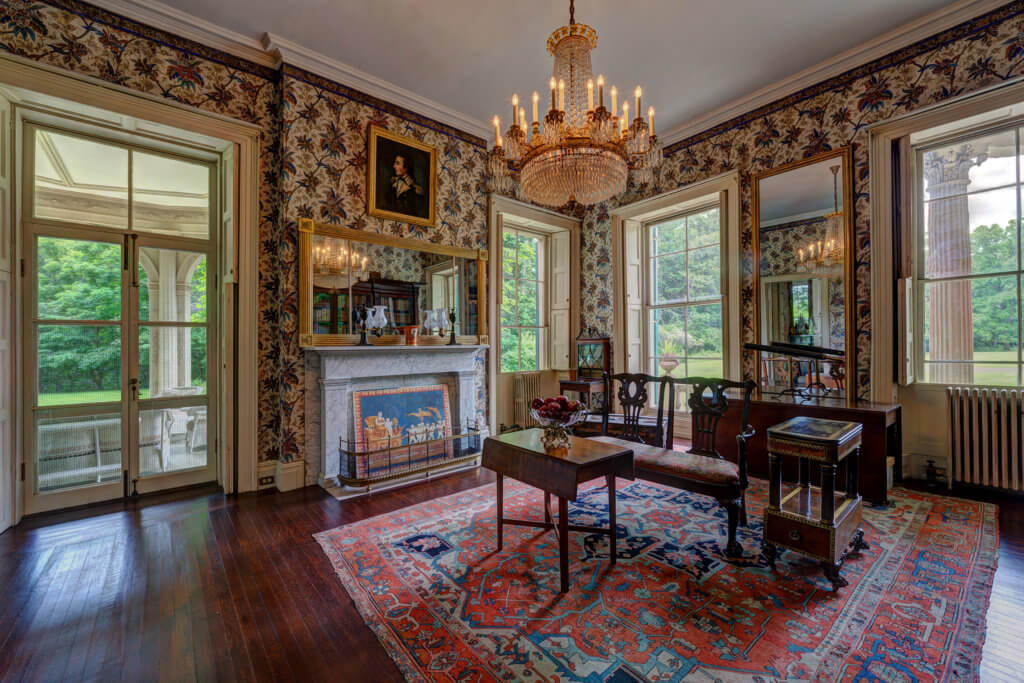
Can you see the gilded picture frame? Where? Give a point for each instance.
(401, 182)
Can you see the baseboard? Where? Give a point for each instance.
(290, 475)
(266, 473)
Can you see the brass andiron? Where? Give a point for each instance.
(451, 319)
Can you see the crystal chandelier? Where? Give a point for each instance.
(339, 260)
(826, 254)
(581, 152)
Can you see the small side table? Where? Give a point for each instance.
(585, 387)
(818, 522)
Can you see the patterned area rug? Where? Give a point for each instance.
(447, 606)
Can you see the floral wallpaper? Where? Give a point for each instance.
(323, 176)
(780, 242)
(977, 54)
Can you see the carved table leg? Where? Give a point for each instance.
(858, 542)
(831, 570)
(501, 508)
(612, 550)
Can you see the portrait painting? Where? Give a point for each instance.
(402, 178)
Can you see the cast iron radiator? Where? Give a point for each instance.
(985, 437)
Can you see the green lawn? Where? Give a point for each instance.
(80, 397)
(995, 375)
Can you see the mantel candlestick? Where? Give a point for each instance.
(451, 319)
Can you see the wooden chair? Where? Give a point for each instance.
(701, 469)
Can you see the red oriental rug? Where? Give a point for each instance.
(447, 606)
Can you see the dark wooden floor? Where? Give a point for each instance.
(194, 585)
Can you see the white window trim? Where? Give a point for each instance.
(726, 185)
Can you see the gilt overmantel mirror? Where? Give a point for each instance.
(406, 283)
(803, 278)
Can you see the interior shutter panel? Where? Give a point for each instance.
(559, 297)
(633, 269)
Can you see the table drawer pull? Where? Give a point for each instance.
(794, 535)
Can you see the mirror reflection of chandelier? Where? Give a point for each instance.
(583, 152)
(826, 254)
(338, 259)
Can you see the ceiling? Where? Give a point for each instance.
(800, 193)
(690, 57)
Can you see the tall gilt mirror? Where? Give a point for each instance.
(407, 284)
(803, 279)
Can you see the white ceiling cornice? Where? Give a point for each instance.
(293, 54)
(897, 39)
(272, 49)
(184, 25)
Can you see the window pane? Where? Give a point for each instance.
(508, 254)
(705, 367)
(509, 350)
(704, 330)
(704, 228)
(971, 373)
(170, 196)
(947, 329)
(989, 161)
(668, 274)
(668, 237)
(80, 180)
(180, 273)
(530, 349)
(77, 451)
(970, 234)
(529, 257)
(508, 302)
(529, 306)
(78, 364)
(172, 439)
(705, 273)
(668, 332)
(78, 280)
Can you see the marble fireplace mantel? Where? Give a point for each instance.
(334, 373)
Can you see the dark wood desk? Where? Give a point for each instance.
(521, 456)
(882, 438)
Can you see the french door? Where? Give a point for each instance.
(118, 312)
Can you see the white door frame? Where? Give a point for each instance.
(239, 282)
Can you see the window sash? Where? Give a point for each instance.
(518, 285)
(921, 280)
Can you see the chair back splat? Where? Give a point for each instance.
(633, 397)
(708, 402)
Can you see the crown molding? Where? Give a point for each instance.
(184, 25)
(897, 39)
(293, 54)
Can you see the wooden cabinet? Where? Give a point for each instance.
(331, 307)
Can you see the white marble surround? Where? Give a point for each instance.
(333, 373)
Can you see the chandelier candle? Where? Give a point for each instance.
(579, 151)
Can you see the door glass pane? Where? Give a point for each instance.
(77, 451)
(80, 180)
(78, 364)
(172, 361)
(78, 279)
(170, 196)
(172, 285)
(172, 439)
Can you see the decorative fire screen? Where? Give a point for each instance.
(376, 459)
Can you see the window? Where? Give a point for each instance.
(968, 266)
(683, 302)
(523, 316)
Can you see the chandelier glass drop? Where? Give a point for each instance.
(581, 151)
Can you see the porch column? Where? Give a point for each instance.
(950, 319)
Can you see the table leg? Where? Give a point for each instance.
(774, 481)
(547, 507)
(853, 473)
(828, 493)
(612, 551)
(501, 508)
(563, 542)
